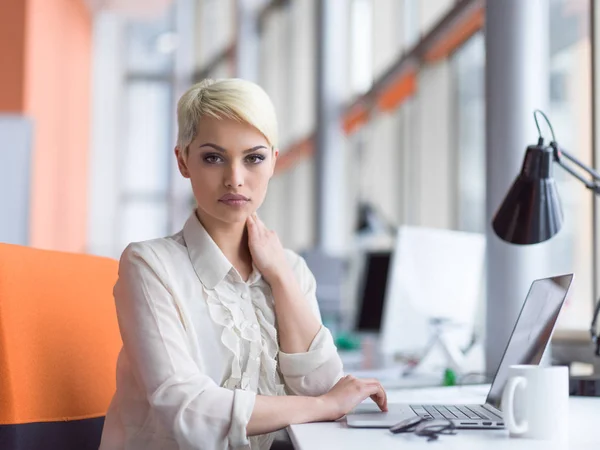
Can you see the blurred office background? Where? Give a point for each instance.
(382, 105)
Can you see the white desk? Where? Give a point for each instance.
(584, 428)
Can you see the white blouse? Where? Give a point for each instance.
(198, 344)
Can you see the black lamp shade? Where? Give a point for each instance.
(531, 211)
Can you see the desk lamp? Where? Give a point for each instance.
(531, 211)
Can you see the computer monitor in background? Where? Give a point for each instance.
(372, 285)
(435, 274)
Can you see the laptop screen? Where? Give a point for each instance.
(532, 330)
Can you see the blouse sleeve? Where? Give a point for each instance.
(316, 371)
(199, 413)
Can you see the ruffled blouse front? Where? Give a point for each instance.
(250, 335)
(199, 343)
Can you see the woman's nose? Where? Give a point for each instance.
(234, 176)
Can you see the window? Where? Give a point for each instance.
(146, 131)
(361, 35)
(570, 114)
(468, 65)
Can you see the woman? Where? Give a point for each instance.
(222, 338)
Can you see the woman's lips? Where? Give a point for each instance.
(234, 199)
(234, 202)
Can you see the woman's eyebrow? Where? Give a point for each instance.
(222, 150)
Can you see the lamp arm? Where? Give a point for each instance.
(589, 184)
(593, 185)
(559, 153)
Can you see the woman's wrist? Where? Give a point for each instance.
(326, 409)
(317, 409)
(279, 277)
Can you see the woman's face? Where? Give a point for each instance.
(229, 164)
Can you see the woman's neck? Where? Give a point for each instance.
(231, 238)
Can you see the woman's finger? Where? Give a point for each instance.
(259, 225)
(384, 403)
(380, 399)
(380, 402)
(259, 221)
(376, 392)
(251, 225)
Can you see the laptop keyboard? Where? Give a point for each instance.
(472, 412)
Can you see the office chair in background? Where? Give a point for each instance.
(59, 341)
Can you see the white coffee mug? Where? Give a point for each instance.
(535, 402)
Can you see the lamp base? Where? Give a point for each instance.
(585, 386)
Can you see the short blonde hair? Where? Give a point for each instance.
(229, 98)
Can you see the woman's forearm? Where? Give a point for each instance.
(277, 412)
(296, 323)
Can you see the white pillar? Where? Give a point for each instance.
(517, 77)
(332, 17)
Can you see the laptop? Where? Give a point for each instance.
(527, 343)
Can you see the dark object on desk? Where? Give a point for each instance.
(585, 386)
(429, 428)
(531, 212)
(406, 425)
(372, 290)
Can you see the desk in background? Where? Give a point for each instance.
(584, 427)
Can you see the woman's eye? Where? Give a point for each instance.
(255, 159)
(212, 159)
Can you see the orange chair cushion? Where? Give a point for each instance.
(59, 337)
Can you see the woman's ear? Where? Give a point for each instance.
(181, 157)
(275, 156)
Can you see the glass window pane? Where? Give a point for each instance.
(468, 66)
(142, 220)
(215, 31)
(571, 117)
(388, 35)
(410, 23)
(361, 41)
(275, 65)
(150, 44)
(430, 12)
(302, 68)
(148, 144)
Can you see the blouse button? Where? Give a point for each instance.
(245, 295)
(255, 326)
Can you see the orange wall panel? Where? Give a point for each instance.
(12, 60)
(58, 83)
